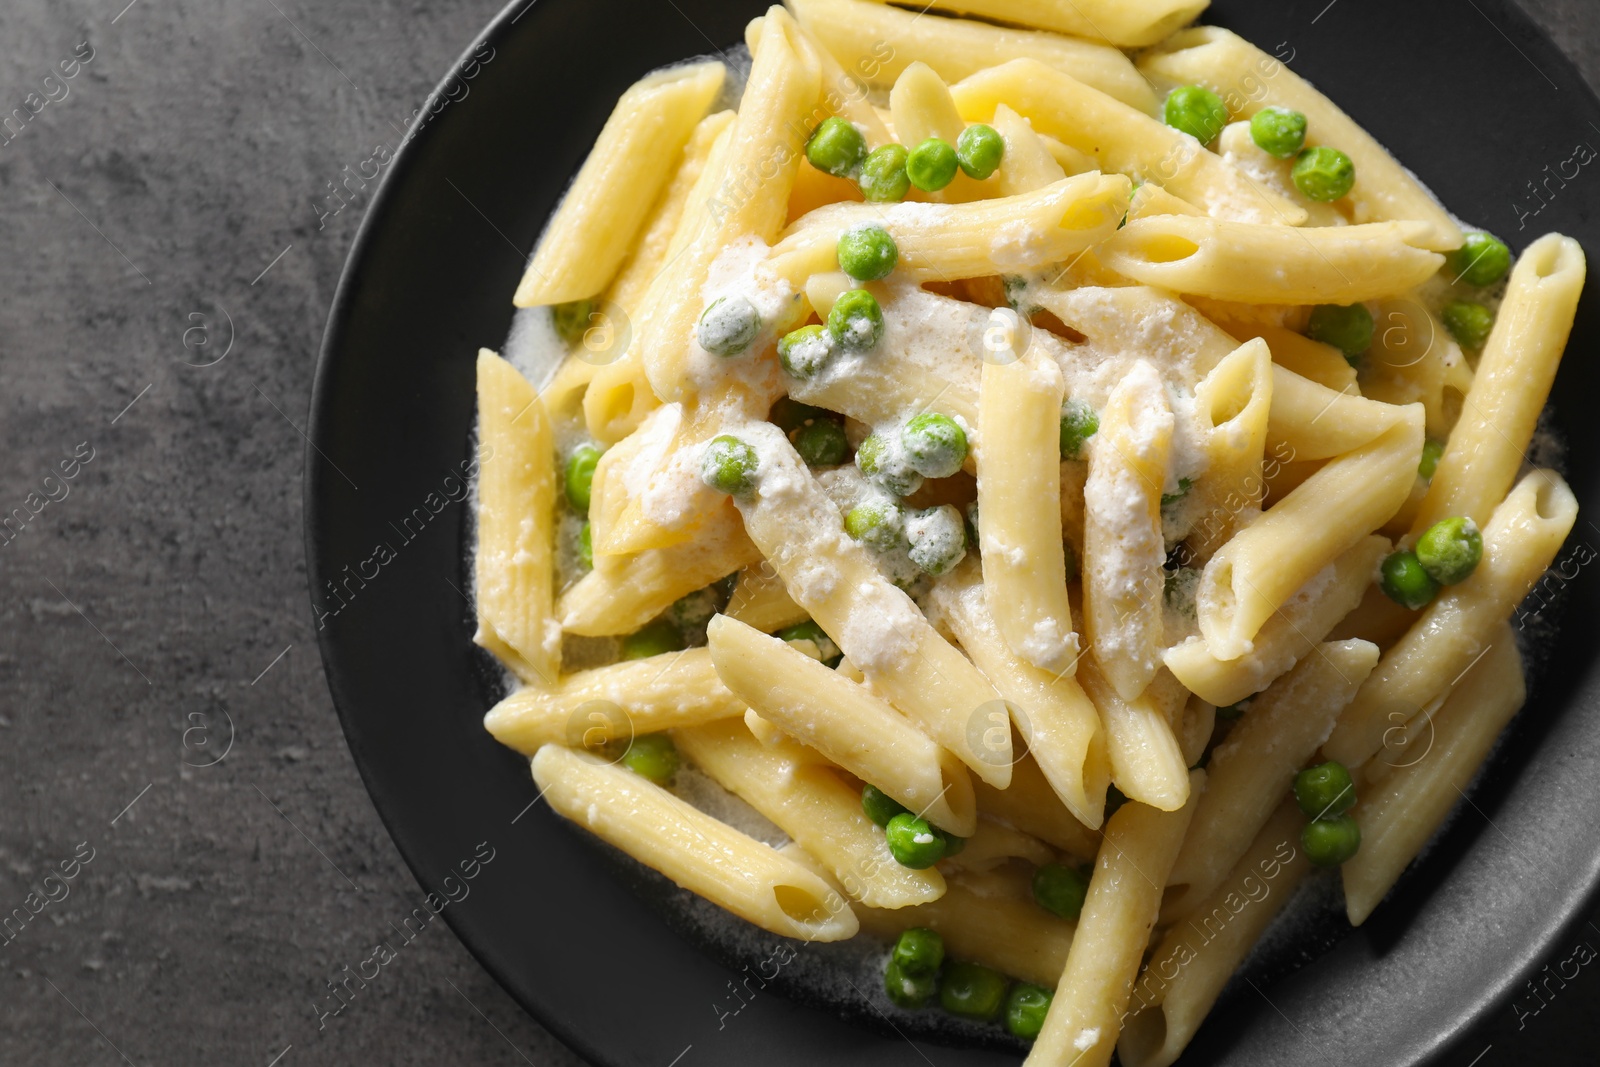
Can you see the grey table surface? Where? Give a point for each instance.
(162, 205)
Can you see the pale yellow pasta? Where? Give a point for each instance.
(1028, 162)
(814, 806)
(1489, 445)
(1409, 360)
(1124, 23)
(1123, 551)
(1401, 812)
(1519, 542)
(1251, 772)
(921, 105)
(1031, 804)
(1019, 486)
(1057, 721)
(516, 508)
(846, 723)
(1251, 576)
(1151, 199)
(1248, 79)
(591, 707)
(759, 599)
(764, 150)
(1193, 961)
(1235, 399)
(799, 529)
(1286, 638)
(1014, 936)
(1122, 138)
(993, 844)
(1124, 898)
(1272, 264)
(1298, 353)
(563, 395)
(704, 856)
(944, 242)
(596, 225)
(1146, 760)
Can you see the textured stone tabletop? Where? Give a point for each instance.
(167, 259)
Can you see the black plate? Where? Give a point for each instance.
(1472, 98)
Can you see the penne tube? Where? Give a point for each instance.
(1019, 489)
(1123, 139)
(1151, 199)
(876, 42)
(516, 516)
(619, 702)
(706, 857)
(1309, 421)
(1248, 79)
(1146, 760)
(843, 721)
(1489, 444)
(993, 844)
(1051, 712)
(1194, 960)
(1251, 772)
(1400, 813)
(1113, 931)
(1299, 354)
(600, 217)
(1031, 804)
(921, 105)
(760, 600)
(1325, 516)
(1235, 400)
(1285, 639)
(1461, 624)
(1258, 264)
(1124, 23)
(1027, 162)
(814, 806)
(563, 395)
(942, 242)
(1123, 549)
(799, 530)
(1015, 937)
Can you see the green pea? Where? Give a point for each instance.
(880, 806)
(879, 459)
(935, 444)
(1468, 321)
(867, 252)
(1060, 890)
(932, 165)
(822, 443)
(788, 414)
(571, 320)
(856, 321)
(1197, 111)
(836, 147)
(1026, 1006)
(655, 639)
(1432, 452)
(918, 951)
(1349, 329)
(1450, 549)
(1078, 424)
(1325, 791)
(1278, 131)
(1482, 259)
(979, 150)
(586, 546)
(652, 756)
(910, 991)
(938, 539)
(883, 176)
(1405, 582)
(1323, 174)
(805, 351)
(580, 476)
(972, 990)
(1329, 842)
(729, 465)
(953, 845)
(877, 524)
(912, 842)
(810, 631)
(728, 325)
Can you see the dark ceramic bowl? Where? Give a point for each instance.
(1480, 106)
